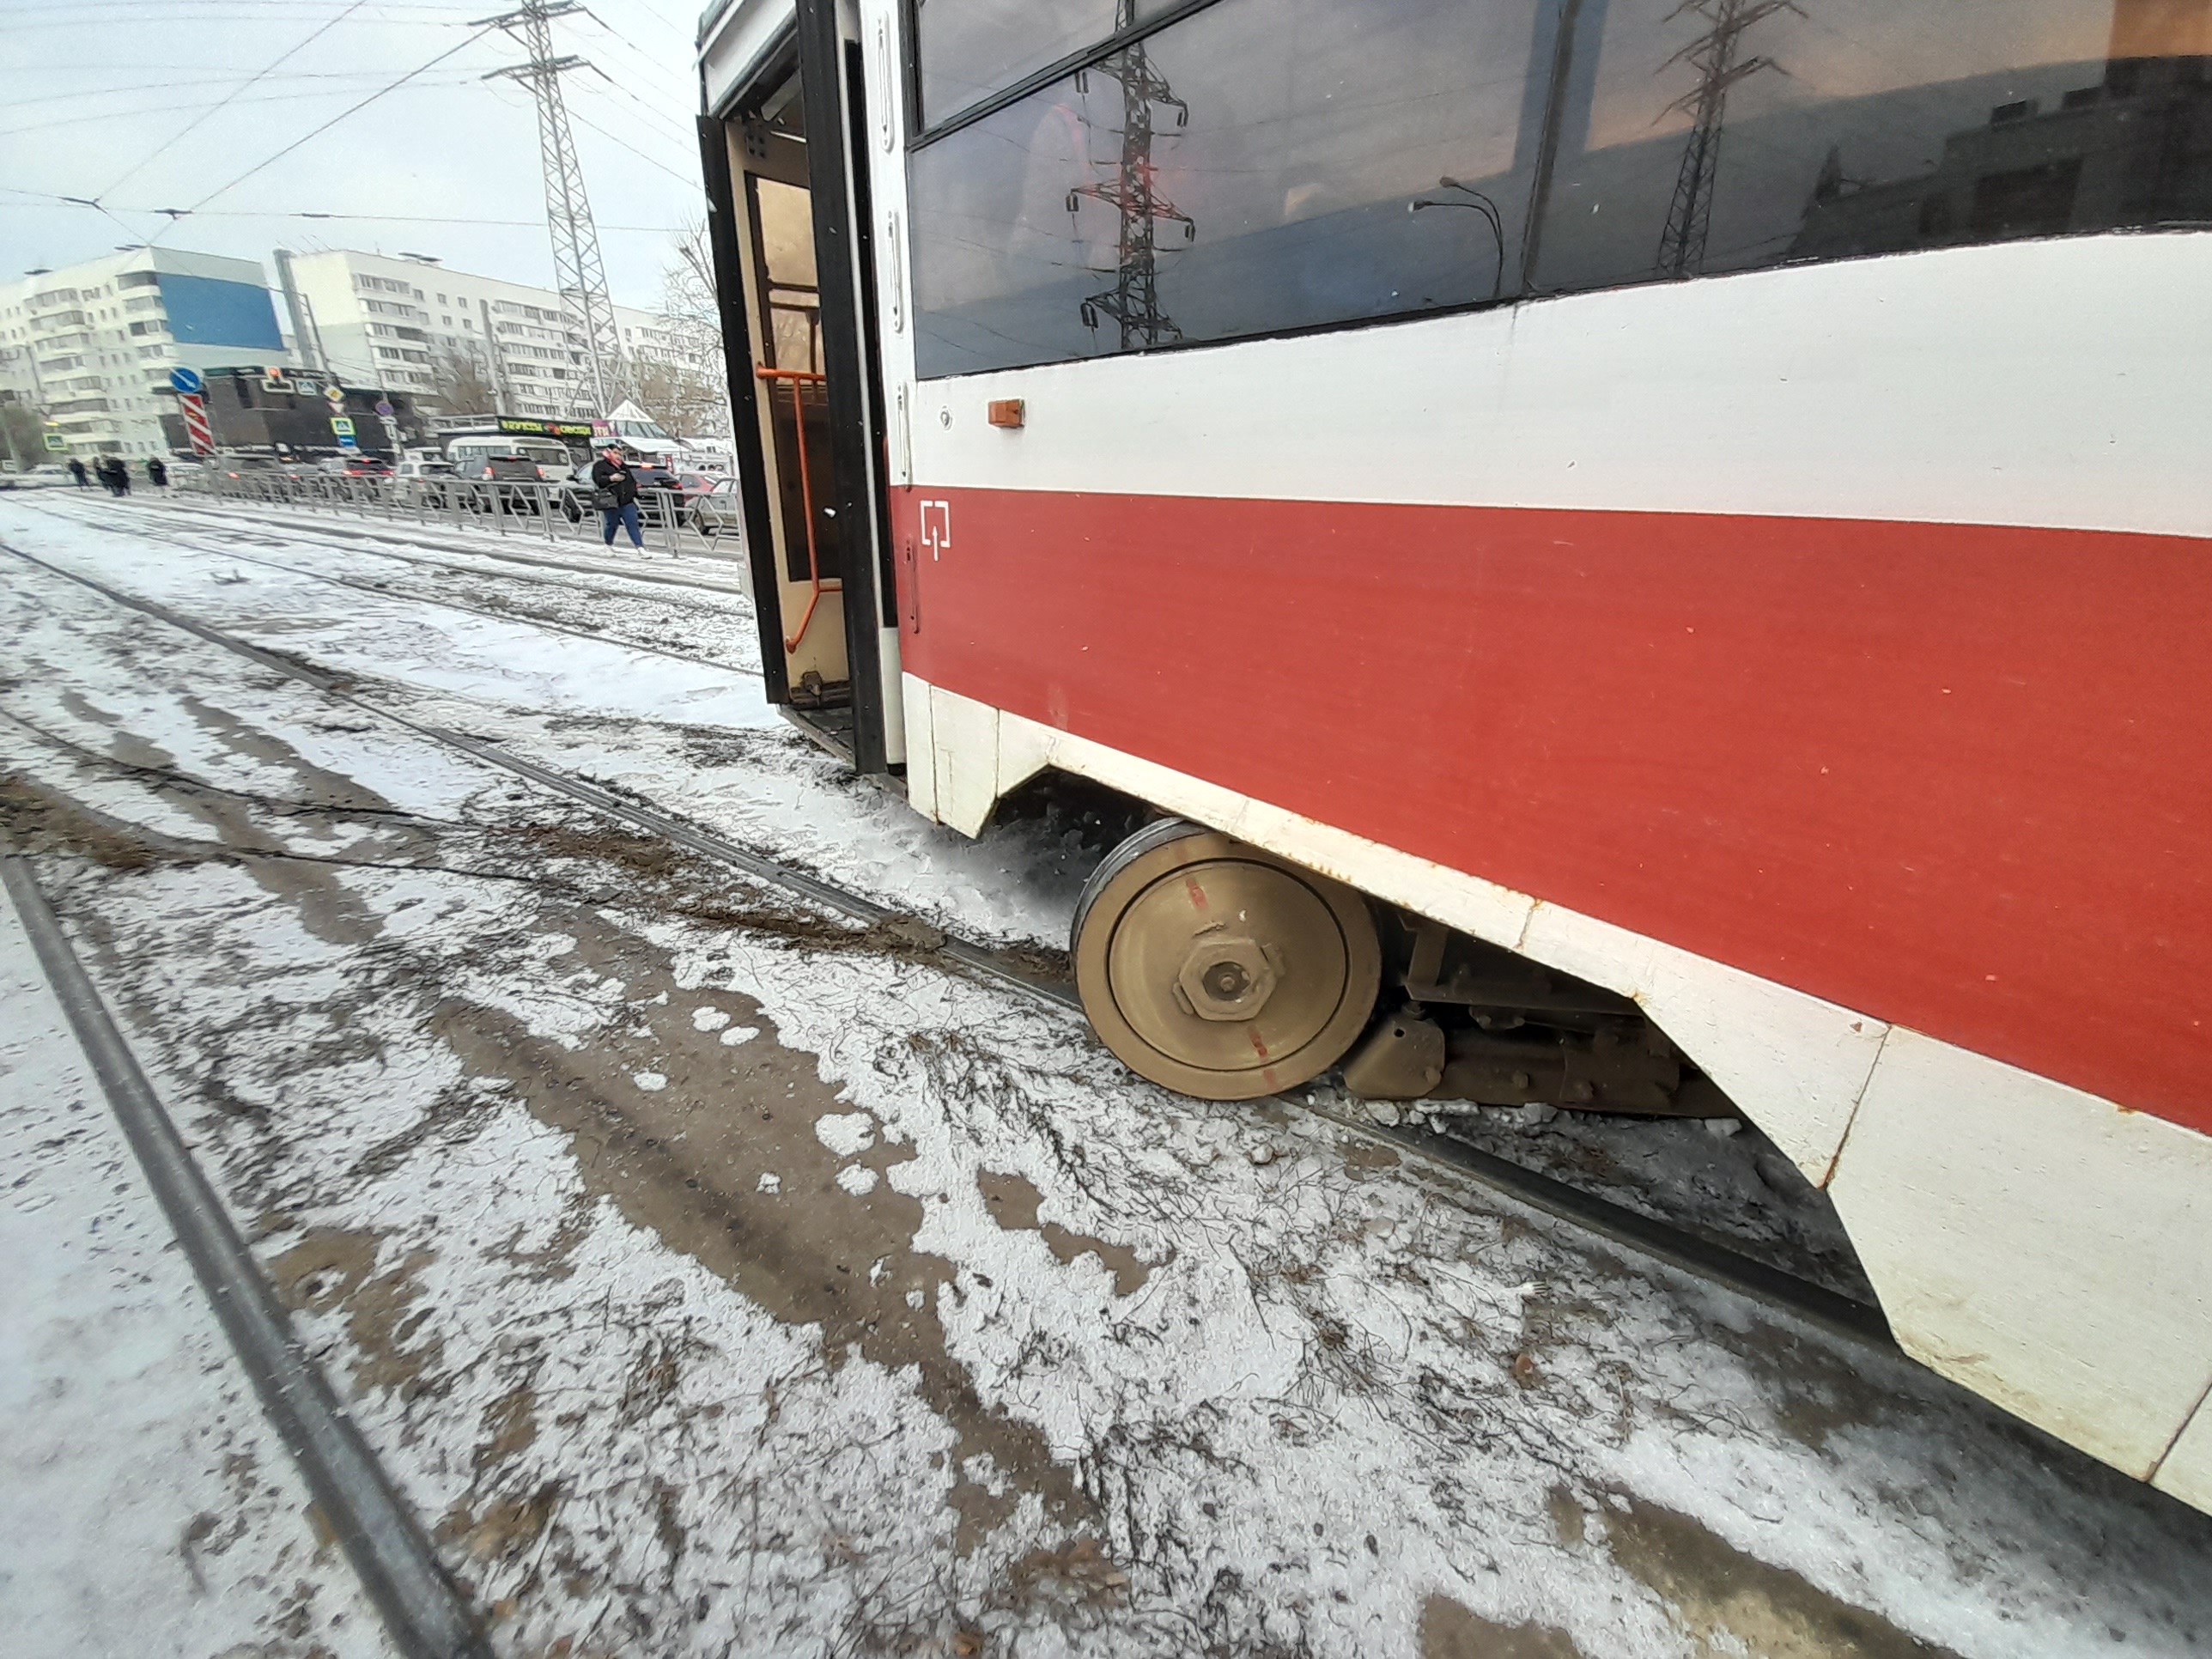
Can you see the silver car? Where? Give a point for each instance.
(718, 510)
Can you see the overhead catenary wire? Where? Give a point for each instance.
(247, 85)
(332, 216)
(109, 117)
(388, 88)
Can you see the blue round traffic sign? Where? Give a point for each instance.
(384, 407)
(186, 380)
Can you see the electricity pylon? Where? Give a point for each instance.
(579, 273)
(1713, 55)
(1134, 301)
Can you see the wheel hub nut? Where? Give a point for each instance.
(1226, 977)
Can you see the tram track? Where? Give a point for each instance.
(424, 1611)
(444, 602)
(695, 581)
(1684, 1251)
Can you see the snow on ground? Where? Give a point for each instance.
(909, 1323)
(149, 1509)
(643, 605)
(414, 641)
(726, 762)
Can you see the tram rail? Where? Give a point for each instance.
(427, 1615)
(441, 600)
(1615, 1227)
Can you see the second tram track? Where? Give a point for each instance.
(382, 591)
(1692, 1253)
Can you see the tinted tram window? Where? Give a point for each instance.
(1262, 164)
(1265, 165)
(970, 49)
(1868, 126)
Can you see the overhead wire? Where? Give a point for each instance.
(388, 88)
(336, 217)
(198, 121)
(112, 116)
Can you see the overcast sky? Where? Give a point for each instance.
(97, 96)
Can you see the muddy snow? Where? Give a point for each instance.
(715, 1278)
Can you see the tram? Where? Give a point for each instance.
(1639, 554)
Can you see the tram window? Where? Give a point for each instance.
(969, 49)
(1261, 166)
(785, 217)
(1871, 126)
(1282, 166)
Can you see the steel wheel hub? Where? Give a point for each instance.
(1218, 970)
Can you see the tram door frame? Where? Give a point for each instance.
(823, 43)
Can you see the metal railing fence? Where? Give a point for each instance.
(703, 527)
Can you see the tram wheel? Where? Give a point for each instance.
(1218, 970)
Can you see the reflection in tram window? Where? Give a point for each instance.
(1255, 168)
(1267, 165)
(1868, 126)
(970, 49)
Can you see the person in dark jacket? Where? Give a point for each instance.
(157, 472)
(115, 475)
(614, 487)
(77, 471)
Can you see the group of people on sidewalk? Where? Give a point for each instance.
(114, 473)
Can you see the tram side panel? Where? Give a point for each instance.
(1598, 760)
(1801, 654)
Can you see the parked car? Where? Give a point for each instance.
(355, 466)
(504, 477)
(424, 484)
(720, 510)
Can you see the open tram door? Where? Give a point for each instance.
(788, 223)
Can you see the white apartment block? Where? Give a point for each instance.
(92, 345)
(386, 320)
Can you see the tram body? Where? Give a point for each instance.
(1794, 621)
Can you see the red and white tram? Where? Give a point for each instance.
(1595, 518)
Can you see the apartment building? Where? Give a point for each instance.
(398, 320)
(92, 345)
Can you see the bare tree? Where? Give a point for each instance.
(685, 402)
(693, 398)
(23, 433)
(461, 383)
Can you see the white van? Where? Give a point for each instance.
(470, 455)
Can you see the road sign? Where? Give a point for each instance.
(384, 408)
(346, 441)
(342, 425)
(195, 423)
(55, 441)
(187, 380)
(336, 394)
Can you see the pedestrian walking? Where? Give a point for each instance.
(119, 470)
(157, 472)
(104, 467)
(77, 471)
(614, 492)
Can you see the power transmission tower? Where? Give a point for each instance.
(1134, 301)
(1713, 55)
(579, 273)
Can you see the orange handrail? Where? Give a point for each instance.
(798, 377)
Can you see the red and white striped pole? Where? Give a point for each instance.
(195, 423)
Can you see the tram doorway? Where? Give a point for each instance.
(790, 228)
